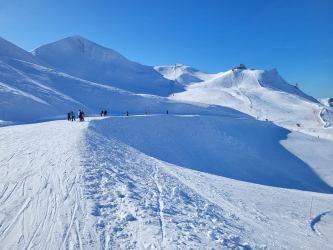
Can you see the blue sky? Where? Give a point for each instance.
(296, 37)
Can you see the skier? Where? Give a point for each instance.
(127, 113)
(69, 116)
(73, 115)
(79, 114)
(105, 113)
(82, 116)
(167, 112)
(102, 112)
(146, 113)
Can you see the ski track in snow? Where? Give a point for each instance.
(148, 208)
(40, 195)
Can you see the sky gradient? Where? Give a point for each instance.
(296, 37)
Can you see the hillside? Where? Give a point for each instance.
(84, 59)
(74, 73)
(33, 90)
(261, 94)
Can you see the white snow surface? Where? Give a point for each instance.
(123, 183)
(326, 101)
(243, 160)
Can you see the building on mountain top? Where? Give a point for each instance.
(241, 66)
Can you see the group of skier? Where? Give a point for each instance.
(71, 115)
(104, 113)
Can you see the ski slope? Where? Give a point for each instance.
(119, 184)
(243, 160)
(263, 95)
(41, 199)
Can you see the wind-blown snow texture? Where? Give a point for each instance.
(212, 174)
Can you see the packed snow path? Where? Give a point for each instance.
(41, 199)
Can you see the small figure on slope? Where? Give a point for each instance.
(73, 115)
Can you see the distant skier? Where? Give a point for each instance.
(82, 116)
(69, 116)
(105, 113)
(146, 113)
(102, 112)
(73, 115)
(127, 113)
(167, 112)
(79, 114)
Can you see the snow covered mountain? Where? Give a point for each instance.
(212, 174)
(183, 74)
(31, 89)
(327, 102)
(74, 73)
(84, 59)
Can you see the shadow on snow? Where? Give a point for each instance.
(241, 149)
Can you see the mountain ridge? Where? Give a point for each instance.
(74, 71)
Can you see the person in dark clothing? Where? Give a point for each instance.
(73, 116)
(102, 112)
(69, 116)
(167, 112)
(105, 113)
(127, 113)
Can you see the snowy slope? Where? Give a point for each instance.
(84, 59)
(261, 94)
(183, 74)
(207, 176)
(326, 101)
(29, 91)
(9, 51)
(41, 198)
(117, 185)
(74, 73)
(237, 148)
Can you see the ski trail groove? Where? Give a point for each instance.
(159, 202)
(316, 220)
(40, 194)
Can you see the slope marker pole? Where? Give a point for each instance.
(311, 207)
